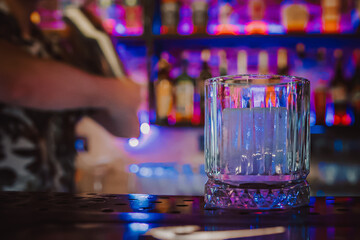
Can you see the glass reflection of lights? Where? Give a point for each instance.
(135, 216)
(142, 202)
(140, 217)
(140, 196)
(139, 227)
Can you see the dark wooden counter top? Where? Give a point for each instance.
(111, 216)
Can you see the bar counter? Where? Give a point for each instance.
(111, 216)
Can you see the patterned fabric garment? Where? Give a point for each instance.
(36, 147)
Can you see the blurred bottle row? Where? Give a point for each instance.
(258, 16)
(335, 91)
(126, 17)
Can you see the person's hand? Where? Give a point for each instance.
(120, 101)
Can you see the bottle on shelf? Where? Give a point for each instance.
(163, 91)
(200, 15)
(204, 74)
(223, 63)
(294, 15)
(169, 16)
(330, 16)
(133, 17)
(299, 62)
(338, 90)
(356, 17)
(242, 62)
(263, 62)
(263, 68)
(257, 25)
(320, 91)
(185, 26)
(184, 93)
(282, 62)
(355, 89)
(224, 19)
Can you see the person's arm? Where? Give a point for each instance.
(50, 85)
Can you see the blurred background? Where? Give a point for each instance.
(167, 45)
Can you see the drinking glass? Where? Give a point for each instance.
(257, 141)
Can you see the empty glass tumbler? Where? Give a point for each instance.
(257, 141)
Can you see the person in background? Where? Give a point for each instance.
(41, 100)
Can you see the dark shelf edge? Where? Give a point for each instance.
(206, 36)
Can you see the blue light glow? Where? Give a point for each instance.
(120, 29)
(329, 117)
(139, 227)
(133, 168)
(135, 216)
(312, 118)
(80, 144)
(276, 29)
(318, 129)
(338, 146)
(140, 217)
(146, 172)
(211, 29)
(159, 171)
(140, 197)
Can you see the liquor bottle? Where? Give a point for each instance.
(263, 68)
(200, 15)
(184, 93)
(242, 62)
(321, 75)
(330, 16)
(133, 16)
(163, 91)
(257, 10)
(169, 16)
(257, 25)
(356, 17)
(225, 13)
(204, 74)
(355, 89)
(223, 64)
(294, 15)
(282, 62)
(299, 60)
(338, 89)
(263, 62)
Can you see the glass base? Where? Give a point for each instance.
(263, 197)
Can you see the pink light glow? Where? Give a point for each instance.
(186, 28)
(109, 25)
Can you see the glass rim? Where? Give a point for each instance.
(243, 80)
